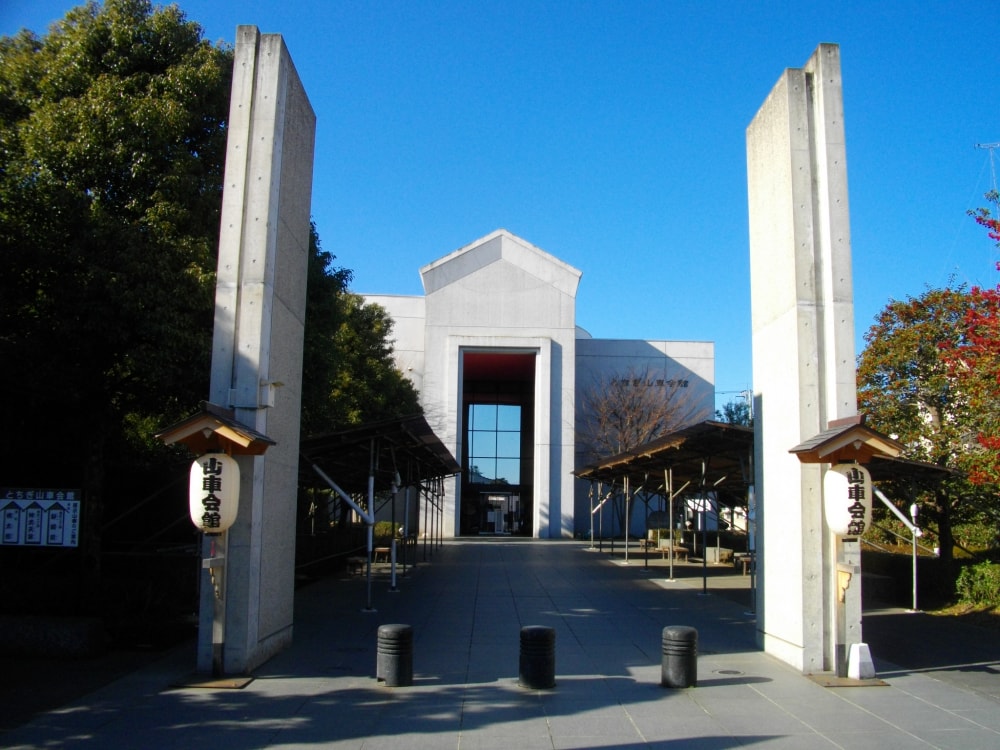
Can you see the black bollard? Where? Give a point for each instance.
(538, 657)
(394, 658)
(680, 657)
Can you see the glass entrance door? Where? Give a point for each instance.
(500, 514)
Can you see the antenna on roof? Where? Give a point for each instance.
(992, 147)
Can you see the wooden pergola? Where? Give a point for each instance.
(382, 457)
(707, 457)
(709, 454)
(394, 452)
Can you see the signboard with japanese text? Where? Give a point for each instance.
(33, 517)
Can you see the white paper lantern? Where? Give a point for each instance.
(214, 492)
(847, 499)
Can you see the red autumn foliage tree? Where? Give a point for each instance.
(930, 375)
(986, 219)
(975, 365)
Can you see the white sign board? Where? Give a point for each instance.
(40, 517)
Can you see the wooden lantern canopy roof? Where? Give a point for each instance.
(847, 441)
(215, 428)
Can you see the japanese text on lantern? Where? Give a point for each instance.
(214, 492)
(856, 495)
(211, 484)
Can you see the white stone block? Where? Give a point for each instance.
(859, 662)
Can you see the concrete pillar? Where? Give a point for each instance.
(257, 345)
(803, 351)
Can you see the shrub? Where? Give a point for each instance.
(383, 531)
(979, 584)
(976, 536)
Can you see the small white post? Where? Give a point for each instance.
(859, 662)
(392, 565)
(916, 532)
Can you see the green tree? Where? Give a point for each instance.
(735, 412)
(349, 375)
(907, 390)
(112, 135)
(113, 140)
(112, 145)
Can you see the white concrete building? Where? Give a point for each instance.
(501, 366)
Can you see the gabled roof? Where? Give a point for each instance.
(215, 427)
(500, 245)
(847, 440)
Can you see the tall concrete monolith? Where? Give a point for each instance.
(803, 356)
(257, 346)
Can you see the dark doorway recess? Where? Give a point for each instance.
(498, 411)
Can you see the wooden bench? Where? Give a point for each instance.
(679, 552)
(356, 565)
(382, 552)
(648, 544)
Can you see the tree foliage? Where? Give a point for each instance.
(974, 363)
(112, 145)
(349, 376)
(985, 218)
(907, 388)
(975, 367)
(624, 410)
(904, 382)
(112, 139)
(735, 412)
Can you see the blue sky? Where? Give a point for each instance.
(612, 135)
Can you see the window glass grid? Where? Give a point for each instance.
(494, 440)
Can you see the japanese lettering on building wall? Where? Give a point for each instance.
(847, 499)
(214, 492)
(39, 517)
